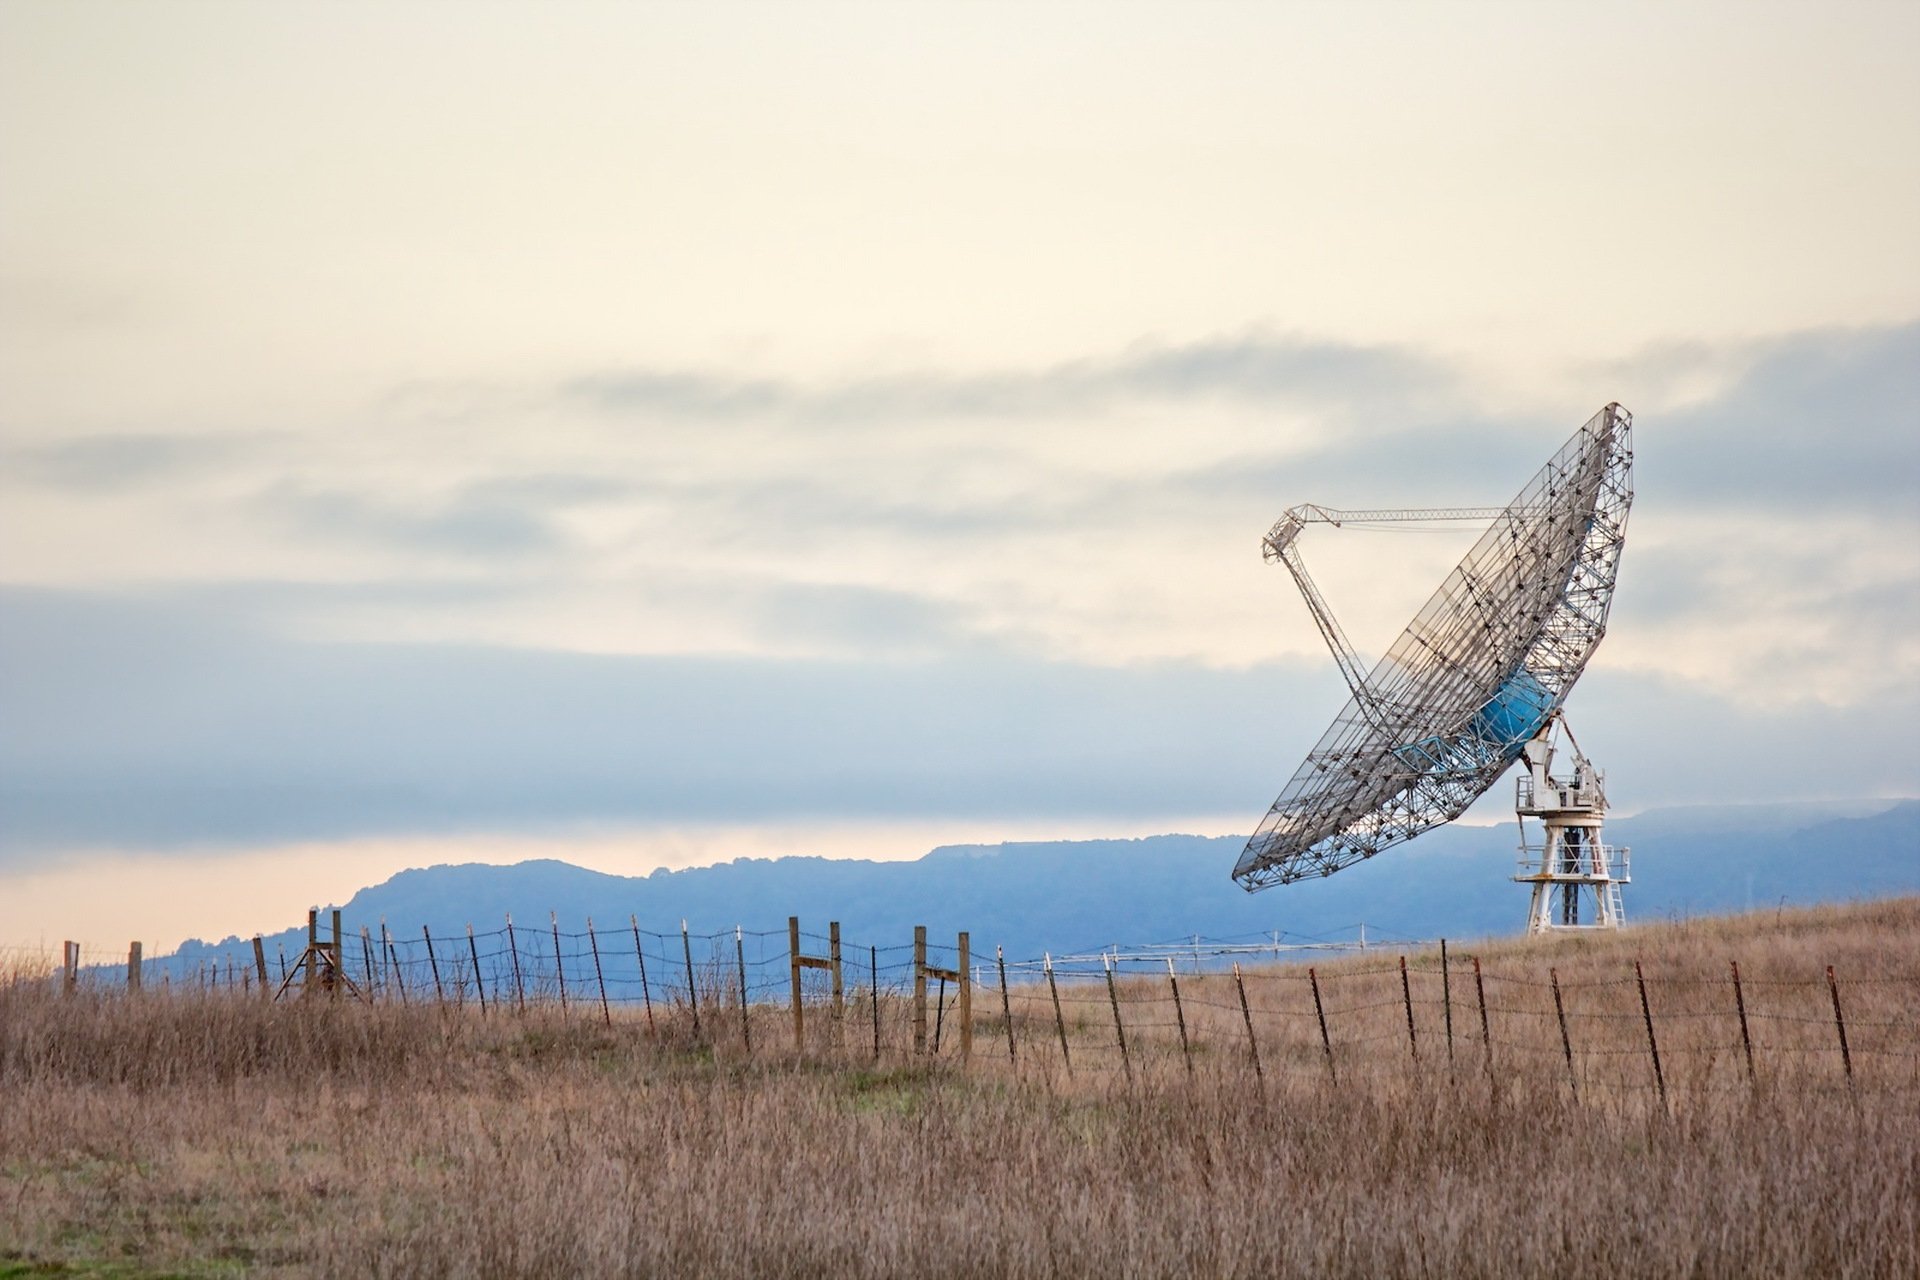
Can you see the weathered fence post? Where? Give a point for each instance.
(1246, 1015)
(559, 965)
(1446, 998)
(1566, 1042)
(1486, 1030)
(1320, 1012)
(1839, 1023)
(939, 1013)
(1180, 1016)
(1119, 1029)
(839, 985)
(519, 983)
(873, 972)
(640, 953)
(599, 974)
(1059, 1020)
(393, 962)
(797, 964)
(1653, 1046)
(919, 990)
(693, 994)
(1746, 1040)
(1006, 1006)
(336, 980)
(740, 957)
(433, 962)
(260, 965)
(965, 970)
(479, 983)
(309, 959)
(1406, 996)
(133, 966)
(793, 974)
(69, 967)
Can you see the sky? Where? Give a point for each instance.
(649, 435)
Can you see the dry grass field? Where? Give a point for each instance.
(210, 1133)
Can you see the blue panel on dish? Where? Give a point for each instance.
(1515, 712)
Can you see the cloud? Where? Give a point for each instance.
(1822, 420)
(120, 461)
(1250, 369)
(1105, 509)
(139, 721)
(501, 516)
(148, 723)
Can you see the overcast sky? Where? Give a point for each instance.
(651, 434)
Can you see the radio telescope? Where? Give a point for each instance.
(1474, 683)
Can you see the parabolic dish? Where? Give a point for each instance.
(1483, 665)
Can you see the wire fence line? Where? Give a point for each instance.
(1116, 1014)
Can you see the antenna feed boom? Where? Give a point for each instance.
(1274, 546)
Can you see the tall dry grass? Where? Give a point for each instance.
(201, 1132)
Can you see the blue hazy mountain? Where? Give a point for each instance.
(1076, 896)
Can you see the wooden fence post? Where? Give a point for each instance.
(1839, 1023)
(919, 990)
(1486, 1031)
(599, 974)
(1246, 1015)
(793, 974)
(433, 962)
(740, 957)
(260, 965)
(693, 994)
(1059, 1020)
(336, 979)
(1653, 1046)
(838, 983)
(1406, 996)
(393, 961)
(640, 953)
(479, 983)
(1180, 1016)
(1446, 998)
(1119, 1030)
(1566, 1042)
(1740, 1006)
(939, 1013)
(1006, 1007)
(133, 966)
(559, 965)
(966, 999)
(1320, 1012)
(309, 961)
(519, 983)
(69, 967)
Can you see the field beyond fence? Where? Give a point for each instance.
(1717, 1095)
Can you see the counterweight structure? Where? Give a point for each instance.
(1480, 672)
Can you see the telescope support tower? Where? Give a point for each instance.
(1576, 875)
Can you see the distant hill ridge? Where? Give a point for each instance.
(1076, 895)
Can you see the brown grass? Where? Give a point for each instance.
(213, 1133)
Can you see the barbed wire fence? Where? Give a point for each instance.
(1121, 1014)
